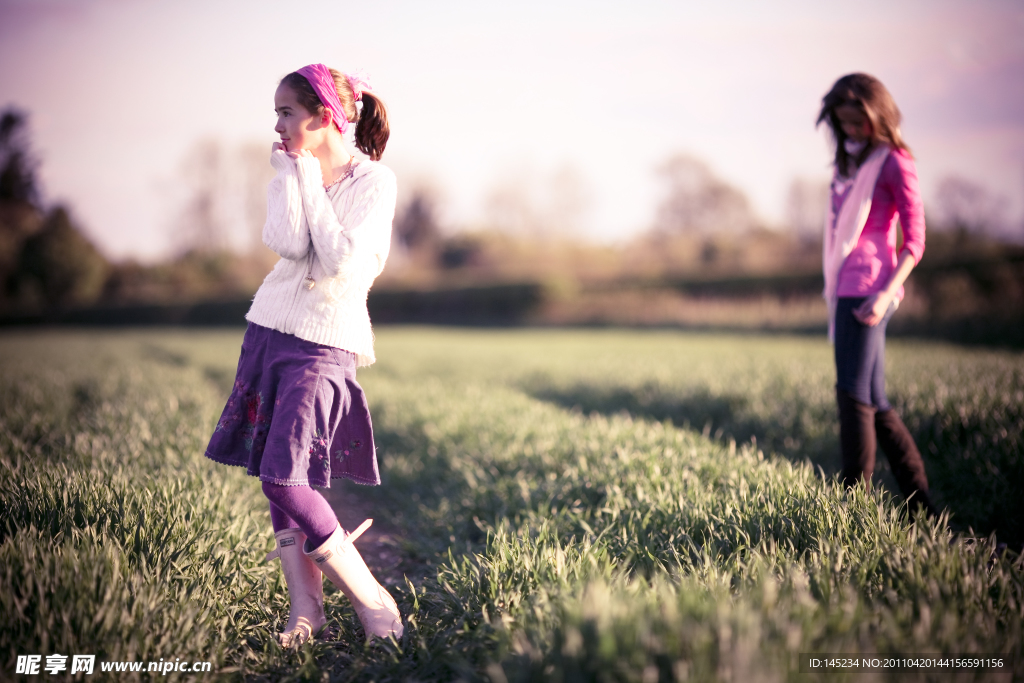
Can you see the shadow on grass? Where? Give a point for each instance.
(976, 469)
(716, 416)
(421, 512)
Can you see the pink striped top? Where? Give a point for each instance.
(896, 197)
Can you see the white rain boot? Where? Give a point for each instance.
(305, 588)
(344, 566)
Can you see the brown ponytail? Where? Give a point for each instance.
(372, 130)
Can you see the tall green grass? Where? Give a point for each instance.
(576, 505)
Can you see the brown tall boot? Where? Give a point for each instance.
(856, 439)
(904, 459)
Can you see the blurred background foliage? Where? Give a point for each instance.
(707, 260)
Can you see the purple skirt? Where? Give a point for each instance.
(296, 415)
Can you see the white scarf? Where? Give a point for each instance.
(842, 232)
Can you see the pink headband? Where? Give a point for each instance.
(319, 76)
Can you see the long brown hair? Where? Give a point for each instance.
(867, 94)
(372, 128)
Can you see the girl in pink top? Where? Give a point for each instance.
(868, 286)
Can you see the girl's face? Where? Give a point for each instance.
(298, 128)
(854, 122)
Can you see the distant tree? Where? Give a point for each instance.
(202, 224)
(18, 220)
(44, 259)
(569, 199)
(698, 202)
(806, 204)
(460, 251)
(60, 264)
(969, 207)
(17, 165)
(510, 204)
(527, 201)
(253, 159)
(20, 216)
(416, 225)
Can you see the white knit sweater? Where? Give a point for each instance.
(344, 233)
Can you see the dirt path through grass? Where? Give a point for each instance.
(381, 545)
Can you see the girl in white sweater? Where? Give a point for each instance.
(296, 416)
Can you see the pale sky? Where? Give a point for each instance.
(120, 90)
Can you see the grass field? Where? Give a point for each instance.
(557, 505)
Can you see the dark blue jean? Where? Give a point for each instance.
(860, 355)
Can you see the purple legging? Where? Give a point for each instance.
(302, 507)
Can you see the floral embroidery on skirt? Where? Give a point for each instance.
(296, 414)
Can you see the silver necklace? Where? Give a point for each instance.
(346, 175)
(309, 281)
